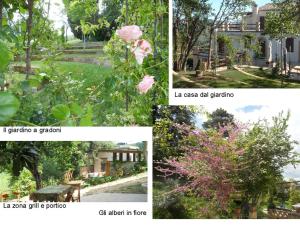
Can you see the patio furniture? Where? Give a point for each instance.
(297, 207)
(3, 197)
(76, 184)
(59, 193)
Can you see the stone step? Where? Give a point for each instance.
(22, 69)
(82, 51)
(104, 62)
(82, 47)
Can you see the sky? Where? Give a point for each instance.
(57, 15)
(216, 3)
(264, 108)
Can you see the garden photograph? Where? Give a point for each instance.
(82, 62)
(231, 162)
(236, 44)
(73, 171)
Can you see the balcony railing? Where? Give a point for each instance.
(240, 27)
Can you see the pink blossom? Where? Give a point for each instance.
(141, 49)
(145, 84)
(129, 33)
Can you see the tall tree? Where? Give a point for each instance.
(267, 150)
(189, 22)
(167, 136)
(88, 11)
(282, 23)
(219, 118)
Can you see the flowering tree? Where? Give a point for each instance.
(208, 164)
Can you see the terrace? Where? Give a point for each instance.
(241, 27)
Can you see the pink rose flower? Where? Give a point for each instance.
(129, 33)
(141, 49)
(145, 84)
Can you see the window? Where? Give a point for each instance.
(290, 44)
(262, 22)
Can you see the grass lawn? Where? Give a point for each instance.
(91, 74)
(234, 79)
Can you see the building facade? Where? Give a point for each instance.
(253, 23)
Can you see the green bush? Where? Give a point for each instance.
(99, 180)
(51, 170)
(25, 183)
(294, 197)
(140, 167)
(5, 179)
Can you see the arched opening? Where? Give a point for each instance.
(221, 47)
(262, 45)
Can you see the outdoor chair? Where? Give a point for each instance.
(4, 197)
(17, 195)
(69, 180)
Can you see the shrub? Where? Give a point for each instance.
(140, 167)
(294, 197)
(51, 170)
(5, 179)
(93, 181)
(275, 70)
(25, 183)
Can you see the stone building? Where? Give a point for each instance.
(254, 23)
(102, 164)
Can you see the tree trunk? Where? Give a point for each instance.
(37, 176)
(1, 13)
(28, 45)
(175, 48)
(66, 33)
(209, 50)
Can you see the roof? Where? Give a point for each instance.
(266, 7)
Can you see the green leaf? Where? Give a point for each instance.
(76, 109)
(86, 121)
(5, 56)
(34, 82)
(69, 123)
(9, 105)
(61, 112)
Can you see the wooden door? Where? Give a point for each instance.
(262, 22)
(107, 169)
